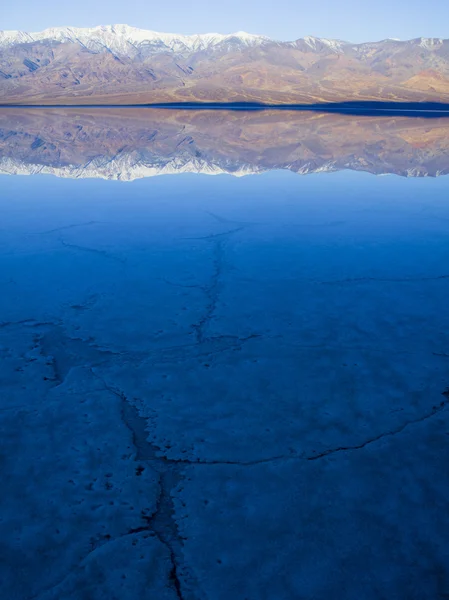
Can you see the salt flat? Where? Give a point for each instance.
(221, 388)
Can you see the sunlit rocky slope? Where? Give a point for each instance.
(122, 64)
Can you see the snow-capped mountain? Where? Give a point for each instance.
(119, 64)
(123, 39)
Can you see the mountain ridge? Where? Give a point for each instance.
(118, 34)
(141, 35)
(120, 64)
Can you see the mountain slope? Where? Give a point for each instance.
(122, 64)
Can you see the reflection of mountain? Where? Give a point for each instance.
(130, 143)
(120, 64)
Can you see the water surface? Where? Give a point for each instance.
(224, 387)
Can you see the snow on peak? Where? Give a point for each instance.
(429, 43)
(313, 42)
(120, 38)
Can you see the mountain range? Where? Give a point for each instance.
(128, 144)
(119, 64)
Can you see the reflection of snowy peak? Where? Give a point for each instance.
(122, 39)
(126, 144)
(128, 168)
(125, 167)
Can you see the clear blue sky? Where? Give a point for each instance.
(353, 20)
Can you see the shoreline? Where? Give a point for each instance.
(428, 109)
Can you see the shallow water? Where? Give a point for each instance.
(224, 387)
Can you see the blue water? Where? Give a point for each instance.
(225, 387)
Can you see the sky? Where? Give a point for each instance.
(351, 20)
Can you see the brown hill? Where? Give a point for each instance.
(112, 66)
